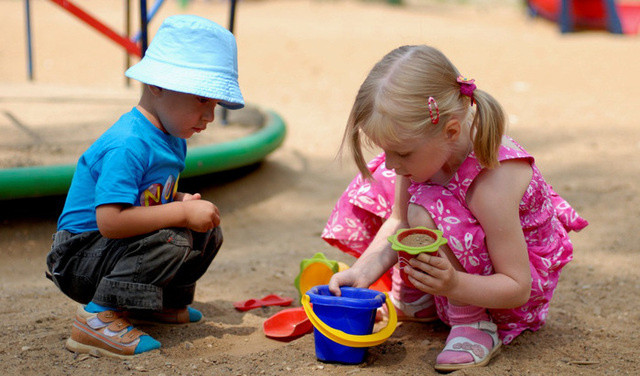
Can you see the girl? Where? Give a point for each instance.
(455, 170)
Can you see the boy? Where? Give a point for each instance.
(129, 245)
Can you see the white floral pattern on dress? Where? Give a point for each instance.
(544, 215)
(361, 210)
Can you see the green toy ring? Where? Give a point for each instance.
(401, 234)
(52, 180)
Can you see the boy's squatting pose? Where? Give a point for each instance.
(129, 246)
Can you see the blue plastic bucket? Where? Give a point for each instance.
(353, 313)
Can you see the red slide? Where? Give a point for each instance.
(590, 13)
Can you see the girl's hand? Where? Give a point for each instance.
(349, 277)
(201, 215)
(432, 274)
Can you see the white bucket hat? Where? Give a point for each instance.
(194, 55)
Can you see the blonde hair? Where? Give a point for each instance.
(392, 105)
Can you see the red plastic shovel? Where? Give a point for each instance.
(269, 300)
(287, 324)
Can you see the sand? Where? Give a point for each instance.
(572, 101)
(418, 240)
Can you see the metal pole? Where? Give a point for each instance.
(613, 20)
(127, 28)
(27, 9)
(232, 17)
(144, 41)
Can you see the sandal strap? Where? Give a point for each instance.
(131, 335)
(119, 325)
(115, 321)
(486, 326)
(477, 350)
(410, 309)
(108, 316)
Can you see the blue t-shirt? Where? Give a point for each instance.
(132, 163)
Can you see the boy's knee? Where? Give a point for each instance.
(216, 238)
(167, 246)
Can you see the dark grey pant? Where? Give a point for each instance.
(150, 272)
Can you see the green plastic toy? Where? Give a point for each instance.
(411, 242)
(315, 271)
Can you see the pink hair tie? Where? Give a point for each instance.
(467, 87)
(433, 107)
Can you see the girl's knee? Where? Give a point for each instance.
(419, 216)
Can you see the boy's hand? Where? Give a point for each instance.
(201, 215)
(187, 196)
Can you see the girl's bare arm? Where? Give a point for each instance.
(378, 257)
(494, 201)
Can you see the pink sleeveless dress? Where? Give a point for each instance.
(544, 215)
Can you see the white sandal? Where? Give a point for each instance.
(407, 311)
(480, 353)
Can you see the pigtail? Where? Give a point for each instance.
(358, 156)
(488, 127)
(351, 139)
(413, 92)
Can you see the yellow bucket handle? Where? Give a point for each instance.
(352, 340)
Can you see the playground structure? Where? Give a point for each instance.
(54, 180)
(133, 46)
(136, 45)
(616, 17)
(51, 180)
